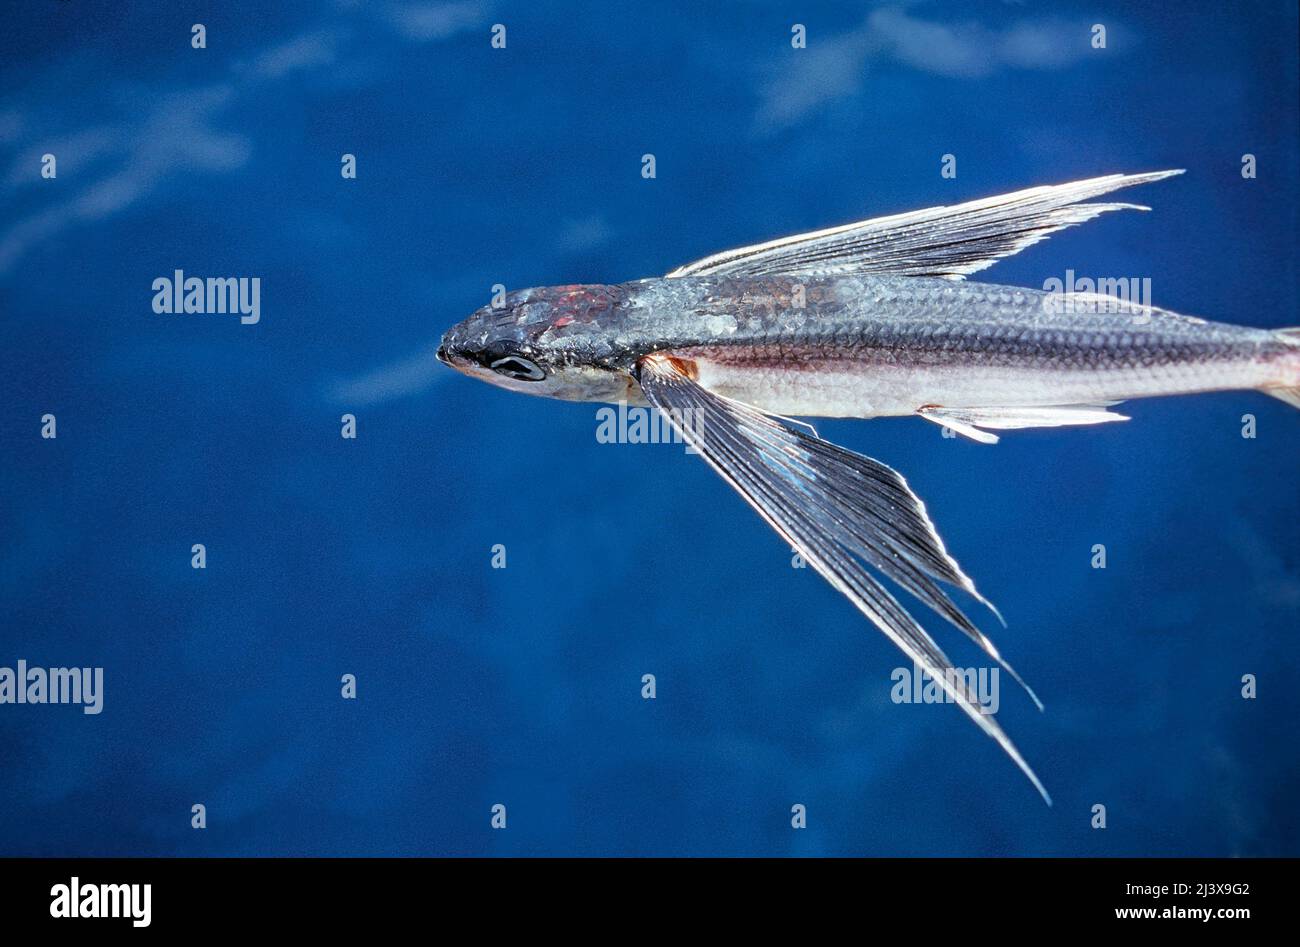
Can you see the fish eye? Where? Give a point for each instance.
(512, 366)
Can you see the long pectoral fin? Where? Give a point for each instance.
(952, 242)
(968, 422)
(839, 510)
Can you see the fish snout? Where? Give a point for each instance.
(453, 353)
(451, 349)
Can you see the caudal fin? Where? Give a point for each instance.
(1288, 393)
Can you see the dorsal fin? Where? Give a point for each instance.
(951, 242)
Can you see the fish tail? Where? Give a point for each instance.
(1289, 390)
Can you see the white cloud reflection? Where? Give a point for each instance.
(837, 67)
(123, 157)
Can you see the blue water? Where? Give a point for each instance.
(522, 686)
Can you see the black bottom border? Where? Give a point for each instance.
(337, 894)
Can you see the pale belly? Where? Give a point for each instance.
(846, 388)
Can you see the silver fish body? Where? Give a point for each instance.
(873, 346)
(868, 319)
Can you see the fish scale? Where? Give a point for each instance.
(889, 345)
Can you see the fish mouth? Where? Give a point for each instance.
(460, 361)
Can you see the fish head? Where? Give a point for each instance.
(551, 341)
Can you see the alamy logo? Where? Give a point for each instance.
(77, 900)
(1105, 295)
(25, 685)
(638, 425)
(216, 294)
(915, 686)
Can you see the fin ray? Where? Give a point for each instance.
(836, 508)
(970, 422)
(949, 241)
(1290, 394)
